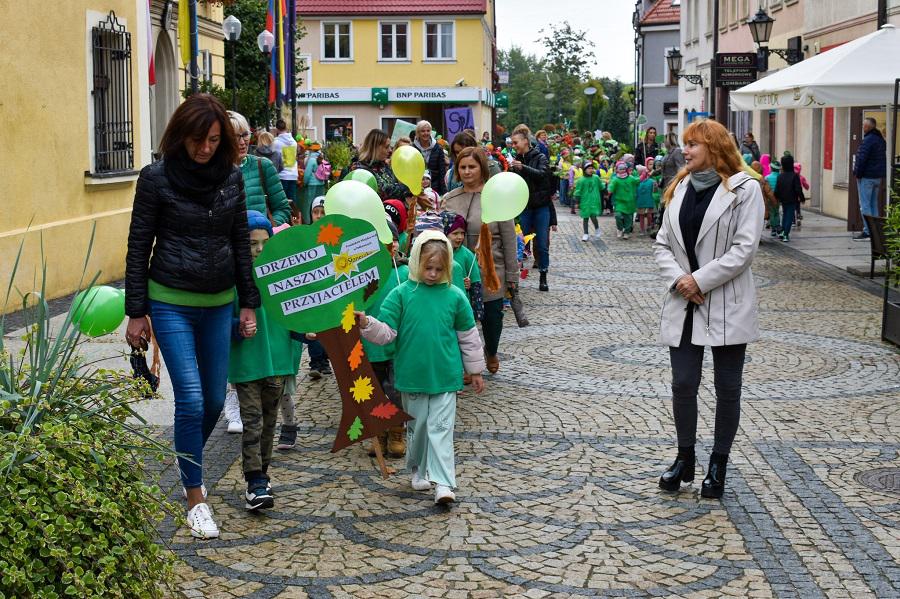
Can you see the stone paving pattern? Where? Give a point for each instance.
(558, 461)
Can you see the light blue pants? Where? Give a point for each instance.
(868, 198)
(429, 437)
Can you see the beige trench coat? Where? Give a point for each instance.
(726, 245)
(503, 236)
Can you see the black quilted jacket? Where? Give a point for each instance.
(196, 245)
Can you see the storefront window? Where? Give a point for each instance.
(339, 128)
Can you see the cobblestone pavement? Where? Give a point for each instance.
(558, 462)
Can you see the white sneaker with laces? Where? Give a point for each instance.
(419, 484)
(443, 495)
(625, 236)
(585, 237)
(201, 522)
(618, 234)
(597, 233)
(232, 411)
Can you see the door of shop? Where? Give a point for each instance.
(854, 217)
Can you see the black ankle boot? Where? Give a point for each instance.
(714, 484)
(543, 286)
(681, 471)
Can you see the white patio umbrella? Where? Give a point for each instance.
(858, 73)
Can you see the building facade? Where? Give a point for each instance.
(373, 63)
(658, 32)
(697, 48)
(80, 107)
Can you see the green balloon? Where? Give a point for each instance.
(363, 176)
(504, 197)
(357, 200)
(98, 311)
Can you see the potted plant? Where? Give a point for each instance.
(890, 323)
(338, 153)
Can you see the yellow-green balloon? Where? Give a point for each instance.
(409, 166)
(363, 176)
(504, 197)
(98, 310)
(357, 200)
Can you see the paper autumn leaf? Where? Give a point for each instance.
(348, 318)
(356, 356)
(330, 234)
(355, 429)
(362, 389)
(384, 410)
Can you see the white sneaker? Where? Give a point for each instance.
(202, 490)
(419, 484)
(597, 233)
(625, 236)
(618, 234)
(443, 495)
(585, 237)
(232, 411)
(201, 522)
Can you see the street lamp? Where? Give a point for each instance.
(231, 28)
(265, 41)
(549, 95)
(589, 91)
(673, 59)
(761, 30)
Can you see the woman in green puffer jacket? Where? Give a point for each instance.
(262, 186)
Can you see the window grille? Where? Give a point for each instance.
(113, 124)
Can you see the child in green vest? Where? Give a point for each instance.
(466, 273)
(431, 321)
(589, 190)
(258, 367)
(646, 203)
(623, 189)
(381, 356)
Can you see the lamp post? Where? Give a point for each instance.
(761, 30)
(589, 91)
(231, 28)
(673, 59)
(265, 41)
(549, 95)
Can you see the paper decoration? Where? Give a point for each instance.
(312, 278)
(384, 410)
(401, 129)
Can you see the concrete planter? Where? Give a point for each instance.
(890, 322)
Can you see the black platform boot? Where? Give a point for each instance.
(543, 285)
(681, 471)
(714, 484)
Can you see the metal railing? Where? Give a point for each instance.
(113, 123)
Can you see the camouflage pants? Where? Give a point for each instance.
(259, 412)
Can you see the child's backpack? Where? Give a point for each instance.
(323, 171)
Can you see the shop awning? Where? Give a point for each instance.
(858, 73)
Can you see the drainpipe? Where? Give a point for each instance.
(882, 13)
(712, 65)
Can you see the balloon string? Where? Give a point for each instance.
(396, 271)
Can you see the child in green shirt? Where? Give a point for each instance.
(466, 264)
(589, 190)
(623, 189)
(431, 347)
(258, 367)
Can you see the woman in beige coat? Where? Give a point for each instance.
(708, 238)
(471, 167)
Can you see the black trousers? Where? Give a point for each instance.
(687, 371)
(492, 326)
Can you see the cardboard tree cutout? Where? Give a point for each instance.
(312, 279)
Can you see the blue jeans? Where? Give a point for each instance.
(564, 192)
(537, 221)
(787, 220)
(868, 198)
(317, 354)
(195, 343)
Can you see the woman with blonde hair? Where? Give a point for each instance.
(704, 248)
(373, 157)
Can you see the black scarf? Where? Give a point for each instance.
(198, 181)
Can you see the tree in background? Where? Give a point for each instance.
(525, 90)
(614, 115)
(597, 104)
(568, 58)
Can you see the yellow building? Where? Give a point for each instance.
(81, 119)
(374, 62)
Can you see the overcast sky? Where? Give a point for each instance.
(607, 22)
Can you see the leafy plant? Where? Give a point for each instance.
(77, 517)
(892, 239)
(338, 153)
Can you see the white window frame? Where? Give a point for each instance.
(350, 117)
(394, 23)
(452, 57)
(322, 27)
(206, 65)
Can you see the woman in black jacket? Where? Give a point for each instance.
(535, 169)
(188, 254)
(789, 193)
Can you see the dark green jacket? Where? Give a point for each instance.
(256, 196)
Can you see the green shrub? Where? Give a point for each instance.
(77, 517)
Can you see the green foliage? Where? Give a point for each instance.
(338, 153)
(527, 83)
(567, 59)
(614, 116)
(76, 515)
(597, 104)
(892, 239)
